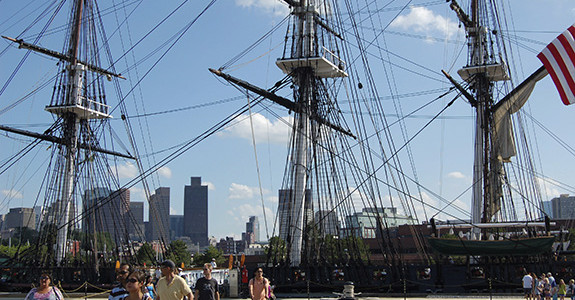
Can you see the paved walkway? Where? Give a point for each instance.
(19, 296)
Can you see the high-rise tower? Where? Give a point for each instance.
(253, 228)
(196, 211)
(160, 214)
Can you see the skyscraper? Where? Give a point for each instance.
(135, 221)
(21, 217)
(284, 211)
(563, 207)
(327, 222)
(196, 211)
(176, 226)
(253, 227)
(159, 214)
(106, 211)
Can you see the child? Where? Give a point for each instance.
(561, 289)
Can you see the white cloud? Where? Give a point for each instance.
(276, 131)
(165, 172)
(13, 194)
(423, 20)
(276, 7)
(242, 213)
(240, 191)
(273, 199)
(137, 194)
(128, 170)
(211, 186)
(457, 175)
(549, 188)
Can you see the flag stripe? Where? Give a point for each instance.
(562, 62)
(551, 71)
(559, 60)
(568, 56)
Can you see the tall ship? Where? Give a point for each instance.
(346, 163)
(352, 204)
(80, 225)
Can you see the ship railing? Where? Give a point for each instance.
(333, 58)
(93, 105)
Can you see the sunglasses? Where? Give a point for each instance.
(122, 272)
(44, 277)
(132, 280)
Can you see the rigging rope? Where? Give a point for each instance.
(257, 164)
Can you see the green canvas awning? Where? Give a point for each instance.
(507, 247)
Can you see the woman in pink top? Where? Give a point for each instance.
(45, 291)
(259, 286)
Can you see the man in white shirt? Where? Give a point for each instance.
(527, 285)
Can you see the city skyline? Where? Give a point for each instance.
(558, 207)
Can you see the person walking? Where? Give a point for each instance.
(172, 286)
(259, 286)
(561, 289)
(207, 287)
(45, 291)
(571, 289)
(527, 286)
(135, 286)
(119, 292)
(150, 286)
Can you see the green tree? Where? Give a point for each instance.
(9, 252)
(178, 252)
(357, 249)
(146, 255)
(25, 235)
(210, 253)
(571, 238)
(277, 249)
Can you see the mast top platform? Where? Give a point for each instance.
(328, 65)
(493, 72)
(77, 102)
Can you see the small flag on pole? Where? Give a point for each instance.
(559, 60)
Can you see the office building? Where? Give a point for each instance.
(176, 226)
(106, 212)
(327, 222)
(21, 217)
(563, 207)
(159, 215)
(370, 220)
(196, 211)
(135, 221)
(285, 211)
(253, 228)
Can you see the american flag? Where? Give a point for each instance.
(559, 60)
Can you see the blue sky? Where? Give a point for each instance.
(183, 93)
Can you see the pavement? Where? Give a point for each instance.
(100, 296)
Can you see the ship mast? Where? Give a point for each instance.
(481, 73)
(75, 107)
(71, 126)
(306, 64)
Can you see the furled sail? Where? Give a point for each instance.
(510, 104)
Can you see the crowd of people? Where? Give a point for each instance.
(135, 284)
(546, 287)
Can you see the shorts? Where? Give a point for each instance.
(527, 291)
